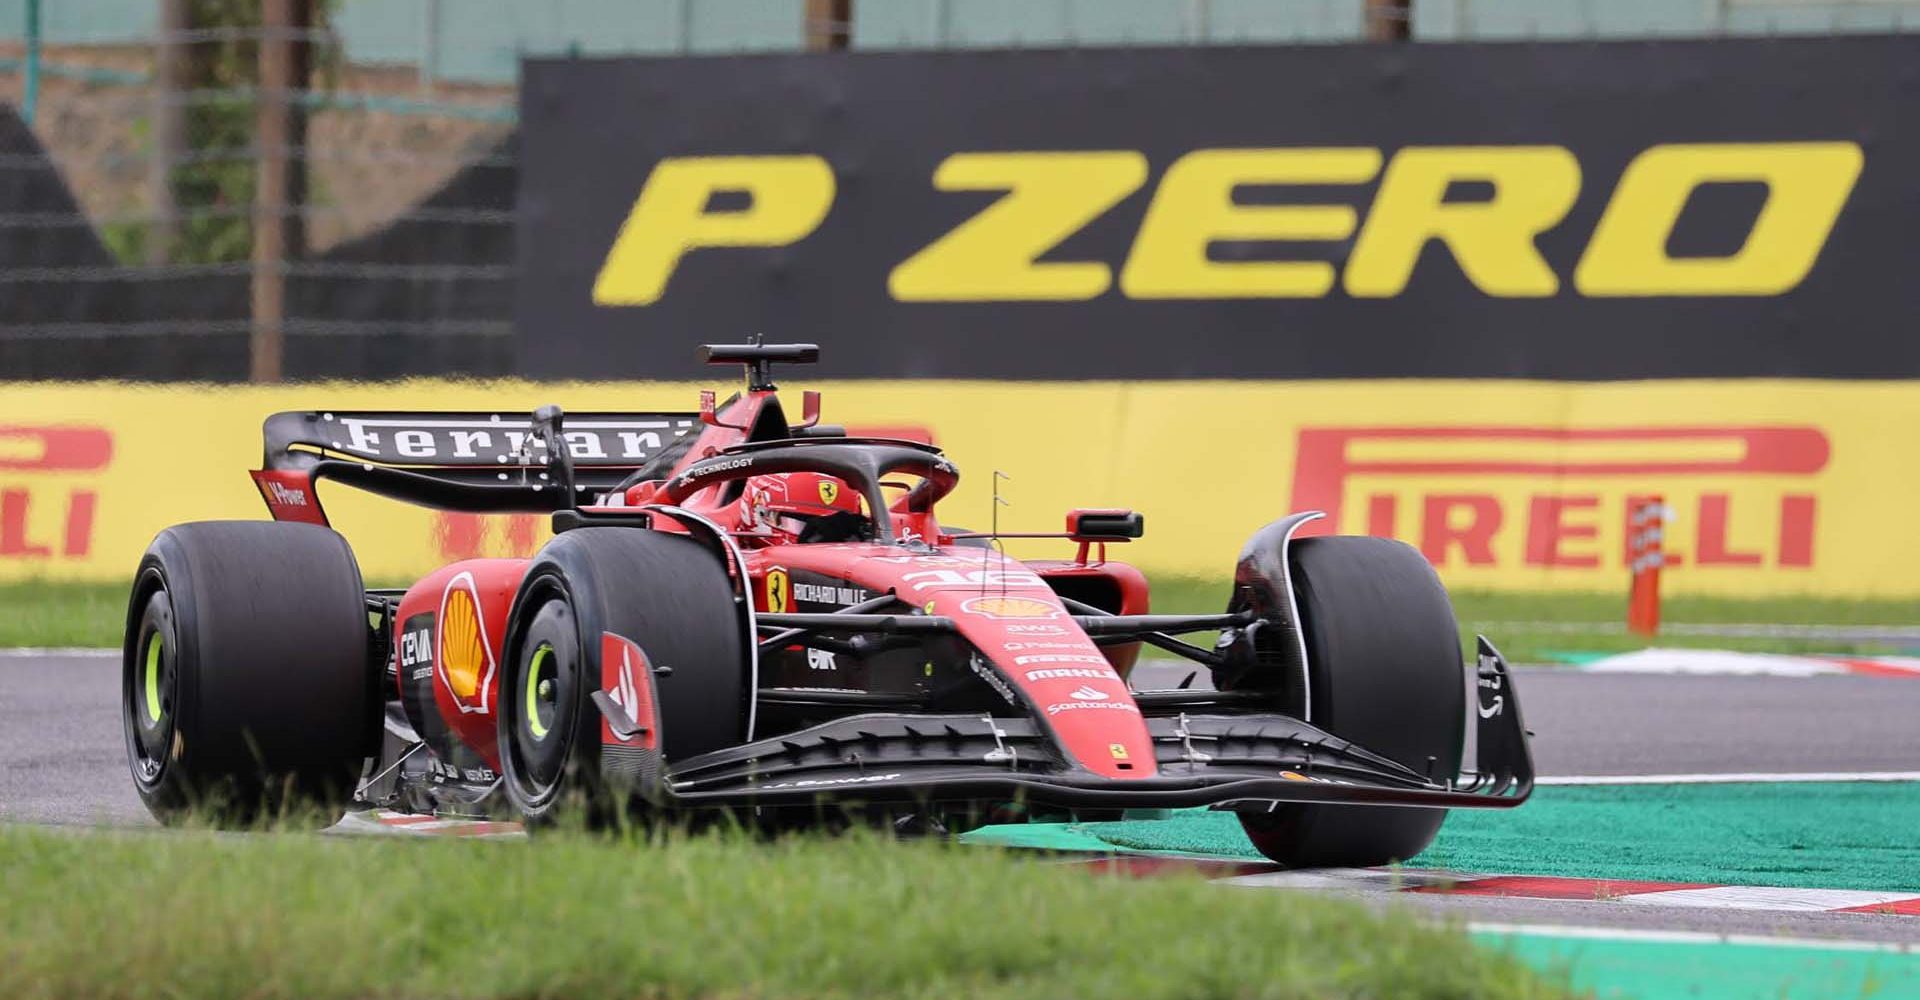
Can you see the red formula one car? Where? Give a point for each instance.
(742, 614)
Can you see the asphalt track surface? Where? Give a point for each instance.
(63, 761)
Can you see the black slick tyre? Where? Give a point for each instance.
(1385, 671)
(248, 691)
(671, 596)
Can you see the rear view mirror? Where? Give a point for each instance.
(1105, 525)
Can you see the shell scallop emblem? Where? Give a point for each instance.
(465, 663)
(1009, 607)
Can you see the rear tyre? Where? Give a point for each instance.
(247, 688)
(665, 592)
(1385, 671)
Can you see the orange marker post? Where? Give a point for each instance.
(1646, 529)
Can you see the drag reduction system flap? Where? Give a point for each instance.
(485, 462)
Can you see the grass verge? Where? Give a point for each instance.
(38, 613)
(195, 914)
(1592, 622)
(92, 614)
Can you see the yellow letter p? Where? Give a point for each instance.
(787, 197)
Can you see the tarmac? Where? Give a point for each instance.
(63, 763)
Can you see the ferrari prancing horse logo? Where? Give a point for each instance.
(829, 491)
(779, 591)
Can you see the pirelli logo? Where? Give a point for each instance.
(1270, 222)
(49, 490)
(1492, 496)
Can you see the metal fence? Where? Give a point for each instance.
(242, 202)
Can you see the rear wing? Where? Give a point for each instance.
(486, 463)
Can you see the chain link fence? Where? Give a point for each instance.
(132, 216)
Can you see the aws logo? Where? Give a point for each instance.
(1047, 197)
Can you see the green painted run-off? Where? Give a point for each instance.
(1614, 969)
(1843, 835)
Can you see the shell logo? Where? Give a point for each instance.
(464, 660)
(1010, 607)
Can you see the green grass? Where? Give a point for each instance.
(91, 614)
(102, 915)
(42, 613)
(62, 614)
(1591, 622)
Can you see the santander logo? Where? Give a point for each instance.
(1086, 693)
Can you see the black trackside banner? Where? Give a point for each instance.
(1577, 211)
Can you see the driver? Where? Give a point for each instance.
(805, 507)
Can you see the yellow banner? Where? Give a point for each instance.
(1775, 487)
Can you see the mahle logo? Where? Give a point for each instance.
(1008, 251)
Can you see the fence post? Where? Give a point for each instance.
(428, 72)
(169, 129)
(1389, 20)
(1646, 531)
(280, 189)
(32, 84)
(829, 24)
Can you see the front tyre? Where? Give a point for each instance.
(1385, 671)
(665, 592)
(247, 690)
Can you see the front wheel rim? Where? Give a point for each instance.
(151, 679)
(540, 722)
(541, 684)
(156, 709)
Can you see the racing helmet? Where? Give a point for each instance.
(806, 506)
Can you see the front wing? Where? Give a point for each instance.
(1204, 757)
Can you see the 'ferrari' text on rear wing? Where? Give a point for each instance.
(486, 462)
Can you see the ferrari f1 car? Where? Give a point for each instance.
(746, 615)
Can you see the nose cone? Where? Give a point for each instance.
(1031, 641)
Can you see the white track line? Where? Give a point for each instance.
(1684, 937)
(1725, 779)
(1591, 891)
(34, 652)
(1757, 897)
(1347, 879)
(1726, 630)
